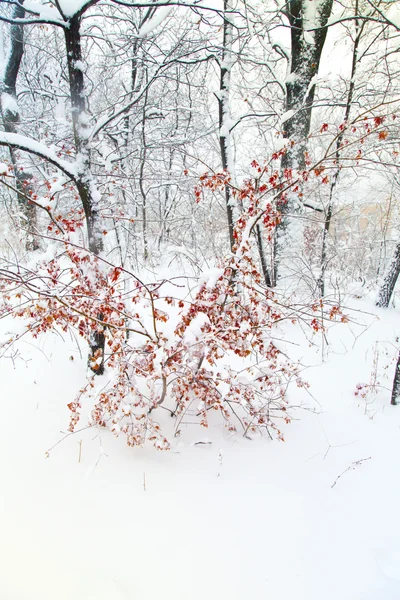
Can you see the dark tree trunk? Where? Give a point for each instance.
(11, 120)
(396, 384)
(224, 115)
(300, 92)
(390, 280)
(324, 250)
(263, 258)
(143, 191)
(84, 181)
(80, 126)
(97, 342)
(329, 212)
(305, 59)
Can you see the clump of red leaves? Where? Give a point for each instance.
(221, 359)
(234, 368)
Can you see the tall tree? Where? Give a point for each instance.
(308, 29)
(98, 119)
(389, 281)
(10, 115)
(359, 28)
(225, 124)
(395, 399)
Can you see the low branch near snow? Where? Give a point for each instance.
(26, 144)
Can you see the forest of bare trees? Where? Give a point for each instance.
(252, 147)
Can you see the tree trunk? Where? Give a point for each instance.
(143, 191)
(396, 384)
(305, 58)
(306, 50)
(224, 115)
(324, 250)
(390, 280)
(84, 181)
(11, 120)
(329, 213)
(263, 258)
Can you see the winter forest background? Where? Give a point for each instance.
(200, 215)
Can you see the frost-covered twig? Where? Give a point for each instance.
(352, 467)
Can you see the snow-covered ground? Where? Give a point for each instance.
(227, 519)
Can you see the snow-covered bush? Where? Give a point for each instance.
(210, 350)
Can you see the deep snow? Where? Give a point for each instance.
(230, 519)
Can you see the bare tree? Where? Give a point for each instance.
(359, 28)
(308, 30)
(10, 115)
(227, 61)
(389, 281)
(79, 160)
(395, 399)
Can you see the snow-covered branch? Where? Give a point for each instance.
(26, 144)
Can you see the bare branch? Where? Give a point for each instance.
(26, 144)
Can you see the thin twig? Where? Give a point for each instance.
(352, 467)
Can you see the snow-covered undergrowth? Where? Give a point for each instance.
(218, 516)
(197, 348)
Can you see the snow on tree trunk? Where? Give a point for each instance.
(225, 123)
(142, 179)
(359, 28)
(88, 193)
(10, 116)
(390, 280)
(307, 19)
(396, 384)
(306, 49)
(263, 256)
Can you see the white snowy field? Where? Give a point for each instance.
(229, 519)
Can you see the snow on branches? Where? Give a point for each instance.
(205, 353)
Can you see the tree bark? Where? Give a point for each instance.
(390, 280)
(84, 180)
(395, 399)
(306, 51)
(11, 120)
(329, 212)
(300, 91)
(224, 115)
(263, 258)
(143, 192)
